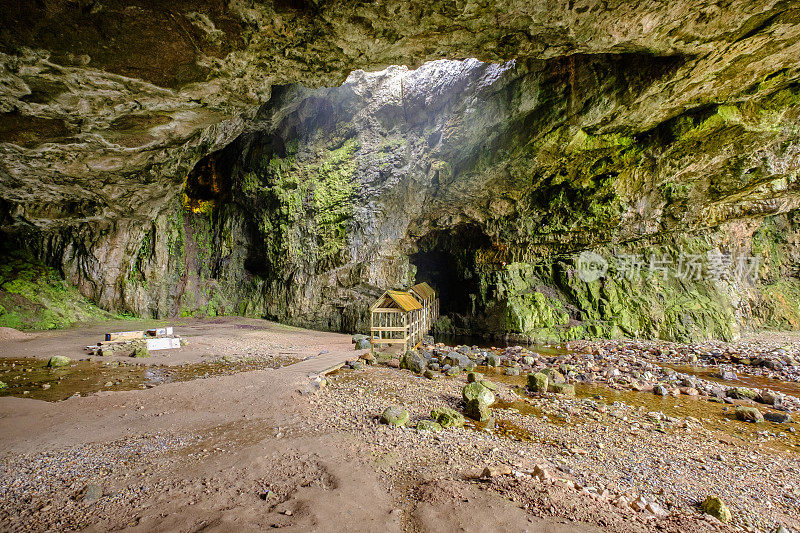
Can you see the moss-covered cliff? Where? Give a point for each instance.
(216, 183)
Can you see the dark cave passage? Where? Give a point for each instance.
(446, 261)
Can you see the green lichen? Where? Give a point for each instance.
(34, 296)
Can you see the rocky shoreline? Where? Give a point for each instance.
(622, 441)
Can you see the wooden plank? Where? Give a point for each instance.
(391, 341)
(387, 310)
(124, 335)
(389, 328)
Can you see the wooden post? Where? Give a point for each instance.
(371, 334)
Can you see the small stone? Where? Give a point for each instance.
(495, 471)
(394, 416)
(714, 506)
(91, 492)
(512, 371)
(430, 374)
(489, 384)
(660, 390)
(447, 417)
(428, 425)
(363, 344)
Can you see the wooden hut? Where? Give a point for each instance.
(427, 297)
(396, 318)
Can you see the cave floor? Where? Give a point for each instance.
(264, 447)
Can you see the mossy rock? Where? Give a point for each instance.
(538, 382)
(553, 375)
(428, 425)
(453, 371)
(413, 361)
(447, 417)
(566, 389)
(477, 410)
(59, 361)
(141, 351)
(749, 414)
(363, 344)
(3, 385)
(430, 374)
(477, 392)
(714, 506)
(394, 416)
(742, 393)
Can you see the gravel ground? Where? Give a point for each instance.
(70, 488)
(606, 451)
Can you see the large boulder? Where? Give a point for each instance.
(477, 410)
(413, 361)
(476, 391)
(394, 416)
(58, 361)
(538, 382)
(553, 375)
(492, 360)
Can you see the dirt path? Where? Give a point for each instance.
(235, 452)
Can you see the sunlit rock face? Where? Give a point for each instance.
(191, 169)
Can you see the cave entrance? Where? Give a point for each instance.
(446, 260)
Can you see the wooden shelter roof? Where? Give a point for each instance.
(404, 299)
(424, 290)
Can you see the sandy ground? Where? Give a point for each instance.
(207, 339)
(240, 452)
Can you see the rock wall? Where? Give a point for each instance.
(211, 182)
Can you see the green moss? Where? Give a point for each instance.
(34, 296)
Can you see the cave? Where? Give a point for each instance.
(216, 218)
(446, 261)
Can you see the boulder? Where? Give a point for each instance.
(512, 371)
(492, 360)
(359, 337)
(58, 361)
(447, 417)
(770, 398)
(430, 374)
(477, 392)
(660, 390)
(714, 506)
(780, 418)
(394, 416)
(566, 389)
(538, 382)
(553, 375)
(749, 414)
(140, 351)
(477, 410)
(3, 385)
(453, 371)
(413, 361)
(742, 393)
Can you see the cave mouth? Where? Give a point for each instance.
(446, 260)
